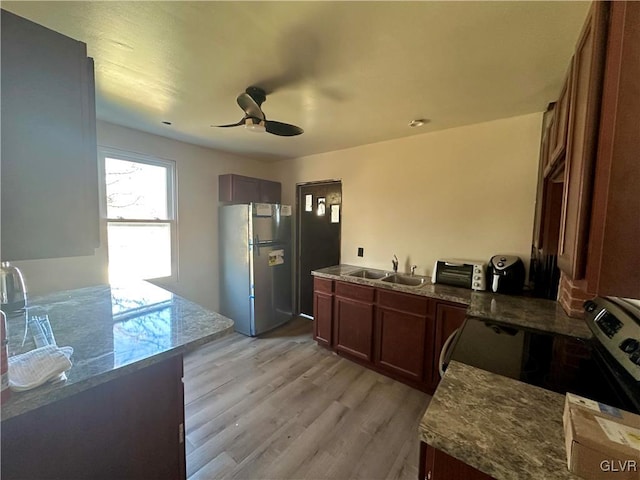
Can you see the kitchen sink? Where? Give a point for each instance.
(405, 280)
(370, 274)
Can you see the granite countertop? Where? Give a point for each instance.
(500, 426)
(531, 313)
(114, 330)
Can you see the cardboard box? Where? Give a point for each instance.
(602, 442)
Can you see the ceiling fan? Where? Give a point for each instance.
(254, 119)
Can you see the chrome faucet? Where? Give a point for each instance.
(394, 261)
(413, 270)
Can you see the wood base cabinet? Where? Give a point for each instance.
(131, 427)
(402, 323)
(437, 465)
(394, 333)
(449, 317)
(353, 315)
(323, 311)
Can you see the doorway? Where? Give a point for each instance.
(319, 207)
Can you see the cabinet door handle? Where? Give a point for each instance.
(429, 475)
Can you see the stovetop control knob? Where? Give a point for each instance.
(629, 345)
(635, 358)
(589, 306)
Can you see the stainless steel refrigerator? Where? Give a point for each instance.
(255, 266)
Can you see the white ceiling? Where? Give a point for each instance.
(348, 73)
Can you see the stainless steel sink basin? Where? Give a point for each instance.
(370, 274)
(405, 280)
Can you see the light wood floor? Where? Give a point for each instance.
(280, 407)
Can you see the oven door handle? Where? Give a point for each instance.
(444, 353)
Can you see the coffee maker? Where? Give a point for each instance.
(13, 293)
(506, 274)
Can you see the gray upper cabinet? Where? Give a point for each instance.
(49, 176)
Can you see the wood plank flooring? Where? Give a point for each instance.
(280, 407)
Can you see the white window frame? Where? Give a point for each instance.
(172, 199)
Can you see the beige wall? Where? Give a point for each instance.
(467, 192)
(197, 184)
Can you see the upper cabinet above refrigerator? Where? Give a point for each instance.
(240, 189)
(49, 156)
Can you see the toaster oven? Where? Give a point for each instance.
(461, 273)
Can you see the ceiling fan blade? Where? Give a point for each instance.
(282, 129)
(249, 105)
(241, 122)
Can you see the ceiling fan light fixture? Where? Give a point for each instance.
(418, 122)
(255, 125)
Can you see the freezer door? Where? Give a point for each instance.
(268, 225)
(272, 298)
(235, 274)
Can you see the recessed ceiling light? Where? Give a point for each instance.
(166, 123)
(418, 122)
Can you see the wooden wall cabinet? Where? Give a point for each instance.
(558, 136)
(49, 154)
(434, 464)
(353, 320)
(584, 115)
(240, 189)
(323, 311)
(613, 257)
(595, 228)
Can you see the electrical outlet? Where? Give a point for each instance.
(360, 252)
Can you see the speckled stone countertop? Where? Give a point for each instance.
(500, 426)
(532, 313)
(114, 330)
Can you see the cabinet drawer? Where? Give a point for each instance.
(322, 285)
(404, 302)
(355, 292)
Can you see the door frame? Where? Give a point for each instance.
(296, 279)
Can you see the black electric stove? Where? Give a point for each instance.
(600, 368)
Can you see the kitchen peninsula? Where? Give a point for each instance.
(121, 411)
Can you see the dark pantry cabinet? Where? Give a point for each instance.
(234, 188)
(49, 155)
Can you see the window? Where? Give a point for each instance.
(140, 209)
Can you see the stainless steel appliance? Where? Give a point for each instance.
(13, 293)
(506, 273)
(461, 273)
(605, 368)
(255, 266)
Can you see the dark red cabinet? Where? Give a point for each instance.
(323, 311)
(129, 427)
(584, 115)
(395, 333)
(401, 334)
(240, 189)
(353, 320)
(437, 465)
(449, 317)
